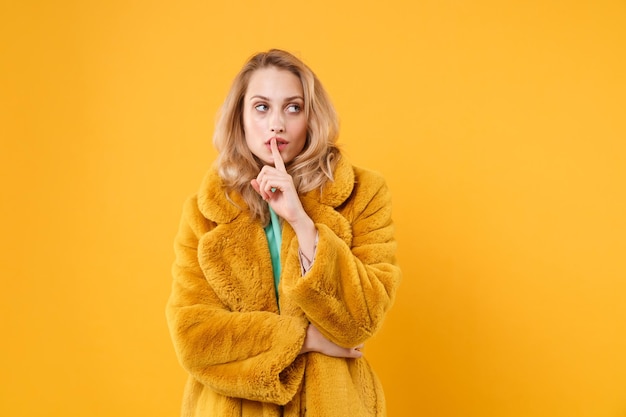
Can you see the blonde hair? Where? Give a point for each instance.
(311, 169)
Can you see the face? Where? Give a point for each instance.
(273, 107)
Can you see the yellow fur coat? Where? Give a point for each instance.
(240, 349)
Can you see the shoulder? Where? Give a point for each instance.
(371, 194)
(357, 189)
(366, 183)
(367, 180)
(348, 182)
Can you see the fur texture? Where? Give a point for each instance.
(239, 348)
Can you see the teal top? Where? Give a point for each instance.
(274, 236)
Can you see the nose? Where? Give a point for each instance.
(277, 124)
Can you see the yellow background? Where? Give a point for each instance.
(500, 127)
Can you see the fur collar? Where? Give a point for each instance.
(214, 205)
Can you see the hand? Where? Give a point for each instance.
(285, 201)
(276, 187)
(316, 342)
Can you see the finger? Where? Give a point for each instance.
(257, 187)
(267, 185)
(355, 353)
(278, 160)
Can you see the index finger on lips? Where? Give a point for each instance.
(278, 160)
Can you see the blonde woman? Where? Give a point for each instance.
(285, 259)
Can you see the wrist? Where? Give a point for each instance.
(306, 345)
(303, 226)
(306, 233)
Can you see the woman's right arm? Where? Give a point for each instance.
(252, 355)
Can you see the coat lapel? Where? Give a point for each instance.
(236, 262)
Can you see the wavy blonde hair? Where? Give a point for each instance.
(311, 169)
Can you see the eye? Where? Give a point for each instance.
(261, 107)
(294, 108)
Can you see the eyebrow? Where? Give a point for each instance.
(292, 98)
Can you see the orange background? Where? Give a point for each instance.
(500, 127)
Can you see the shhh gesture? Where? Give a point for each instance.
(276, 187)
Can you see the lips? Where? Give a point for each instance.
(280, 143)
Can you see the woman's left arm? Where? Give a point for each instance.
(350, 287)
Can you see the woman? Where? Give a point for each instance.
(285, 259)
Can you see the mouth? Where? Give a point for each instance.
(280, 143)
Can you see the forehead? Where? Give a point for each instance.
(274, 83)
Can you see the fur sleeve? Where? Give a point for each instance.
(251, 355)
(351, 285)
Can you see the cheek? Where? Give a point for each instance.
(302, 127)
(256, 126)
(302, 134)
(250, 124)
